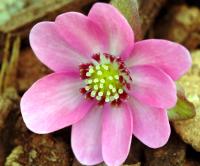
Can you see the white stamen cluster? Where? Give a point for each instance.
(103, 83)
(102, 79)
(99, 86)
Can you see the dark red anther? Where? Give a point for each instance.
(116, 102)
(119, 60)
(121, 79)
(96, 57)
(88, 95)
(102, 101)
(112, 58)
(106, 55)
(84, 66)
(128, 86)
(124, 95)
(83, 74)
(82, 90)
(121, 66)
(83, 77)
(83, 70)
(123, 70)
(113, 103)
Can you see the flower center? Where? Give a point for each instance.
(106, 79)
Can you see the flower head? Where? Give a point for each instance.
(104, 85)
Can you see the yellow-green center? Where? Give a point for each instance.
(106, 79)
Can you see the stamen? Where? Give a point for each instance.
(106, 79)
(116, 77)
(110, 86)
(89, 81)
(105, 67)
(99, 72)
(114, 90)
(91, 70)
(103, 59)
(98, 67)
(107, 99)
(101, 86)
(83, 91)
(108, 93)
(100, 94)
(96, 57)
(116, 96)
(102, 81)
(112, 98)
(87, 88)
(110, 78)
(96, 80)
(93, 94)
(98, 98)
(120, 91)
(96, 87)
(88, 74)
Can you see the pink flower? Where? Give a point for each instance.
(104, 85)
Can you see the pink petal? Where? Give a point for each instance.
(52, 49)
(171, 57)
(150, 125)
(116, 28)
(54, 102)
(86, 138)
(153, 87)
(116, 134)
(81, 33)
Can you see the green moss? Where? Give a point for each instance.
(12, 159)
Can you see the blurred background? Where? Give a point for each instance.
(176, 20)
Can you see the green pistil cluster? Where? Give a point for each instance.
(104, 82)
(106, 79)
